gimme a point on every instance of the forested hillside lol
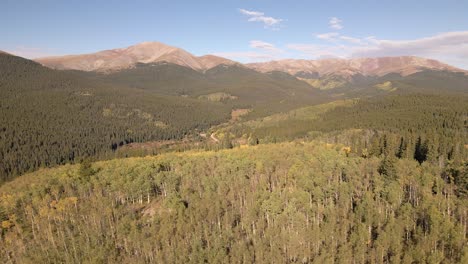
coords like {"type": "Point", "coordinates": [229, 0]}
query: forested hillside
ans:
{"type": "Point", "coordinates": [317, 133]}
{"type": "Point", "coordinates": [50, 117]}
{"type": "Point", "coordinates": [427, 81]}
{"type": "Point", "coordinates": [263, 93]}
{"type": "Point", "coordinates": [421, 126]}
{"type": "Point", "coordinates": [275, 203]}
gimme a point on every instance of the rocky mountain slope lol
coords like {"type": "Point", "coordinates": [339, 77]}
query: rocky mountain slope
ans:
{"type": "Point", "coordinates": [125, 58]}
{"type": "Point", "coordinates": [404, 65]}
{"type": "Point", "coordinates": [154, 52]}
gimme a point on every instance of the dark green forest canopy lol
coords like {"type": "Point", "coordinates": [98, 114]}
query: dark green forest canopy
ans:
{"type": "Point", "coordinates": [265, 93]}
{"type": "Point", "coordinates": [417, 112]}
{"type": "Point", "coordinates": [436, 126]}
{"type": "Point", "coordinates": [273, 203]}
{"type": "Point", "coordinates": [426, 127]}
{"type": "Point", "coordinates": [52, 117]}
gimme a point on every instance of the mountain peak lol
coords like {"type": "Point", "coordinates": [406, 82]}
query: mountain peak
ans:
{"type": "Point", "coordinates": [153, 51]}
{"type": "Point", "coordinates": [124, 58]}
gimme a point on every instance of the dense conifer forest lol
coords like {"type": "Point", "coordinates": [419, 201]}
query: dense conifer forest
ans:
{"type": "Point", "coordinates": [263, 93]}
{"type": "Point", "coordinates": [425, 127]}
{"type": "Point", "coordinates": [52, 117]}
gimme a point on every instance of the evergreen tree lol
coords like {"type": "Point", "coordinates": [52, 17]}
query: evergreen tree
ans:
{"type": "Point", "coordinates": [460, 176]}
{"type": "Point", "coordinates": [387, 167]}
{"type": "Point", "coordinates": [86, 168]}
{"type": "Point", "coordinates": [420, 152]}
{"type": "Point", "coordinates": [401, 153]}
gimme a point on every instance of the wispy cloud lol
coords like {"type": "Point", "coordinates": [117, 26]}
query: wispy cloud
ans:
{"type": "Point", "coordinates": [250, 13]}
{"type": "Point", "coordinates": [335, 36]}
{"type": "Point", "coordinates": [262, 45]}
{"type": "Point", "coordinates": [260, 51]}
{"type": "Point", "coordinates": [449, 47]}
{"type": "Point", "coordinates": [443, 43]}
{"type": "Point", "coordinates": [351, 40]}
{"type": "Point", "coordinates": [255, 16]}
{"type": "Point", "coordinates": [335, 23]}
{"type": "Point", "coordinates": [246, 56]}
{"type": "Point", "coordinates": [328, 36]}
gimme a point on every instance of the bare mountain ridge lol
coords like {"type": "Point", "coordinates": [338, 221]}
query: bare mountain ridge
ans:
{"type": "Point", "coordinates": [124, 58]}
{"type": "Point", "coordinates": [151, 52]}
{"type": "Point", "coordinates": [403, 65]}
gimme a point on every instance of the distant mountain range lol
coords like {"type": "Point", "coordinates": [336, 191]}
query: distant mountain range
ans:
{"type": "Point", "coordinates": [152, 91]}
{"type": "Point", "coordinates": [152, 52]}
{"type": "Point", "coordinates": [404, 65]}
{"type": "Point", "coordinates": [125, 58]}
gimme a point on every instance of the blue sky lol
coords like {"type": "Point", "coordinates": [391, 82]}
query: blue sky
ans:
{"type": "Point", "coordinates": [245, 31]}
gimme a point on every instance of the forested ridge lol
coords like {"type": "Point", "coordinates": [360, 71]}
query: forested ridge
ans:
{"type": "Point", "coordinates": [264, 93]}
{"type": "Point", "coordinates": [52, 117]}
{"type": "Point", "coordinates": [273, 203]}
{"type": "Point", "coordinates": [421, 126]}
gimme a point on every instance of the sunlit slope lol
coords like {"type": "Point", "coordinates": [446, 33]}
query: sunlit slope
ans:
{"type": "Point", "coordinates": [419, 113]}
{"type": "Point", "coordinates": [269, 203]}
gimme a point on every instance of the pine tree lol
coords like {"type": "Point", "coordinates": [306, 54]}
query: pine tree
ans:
{"type": "Point", "coordinates": [420, 152]}
{"type": "Point", "coordinates": [401, 153]}
{"type": "Point", "coordinates": [388, 167]}
{"type": "Point", "coordinates": [86, 169]}
{"type": "Point", "coordinates": [460, 176]}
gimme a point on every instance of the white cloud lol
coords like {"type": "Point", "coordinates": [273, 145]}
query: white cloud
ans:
{"type": "Point", "coordinates": [255, 16]}
{"type": "Point", "coordinates": [258, 44]}
{"type": "Point", "coordinates": [455, 43]}
{"type": "Point", "coordinates": [449, 47]}
{"type": "Point", "coordinates": [260, 51]}
{"type": "Point", "coordinates": [250, 13]}
{"type": "Point", "coordinates": [335, 23]}
{"type": "Point", "coordinates": [247, 56]}
{"type": "Point", "coordinates": [351, 39]}
{"type": "Point", "coordinates": [371, 39]}
{"type": "Point", "coordinates": [335, 37]}
{"type": "Point", "coordinates": [269, 21]}
{"type": "Point", "coordinates": [328, 36]}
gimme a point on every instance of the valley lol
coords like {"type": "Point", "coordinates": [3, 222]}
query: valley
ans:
{"type": "Point", "coordinates": [149, 154]}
